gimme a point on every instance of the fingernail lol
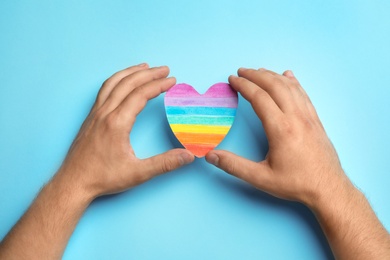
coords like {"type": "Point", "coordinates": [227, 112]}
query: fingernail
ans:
{"type": "Point", "coordinates": [213, 159]}
{"type": "Point", "coordinates": [290, 73]}
{"type": "Point", "coordinates": [142, 65]}
{"type": "Point", "coordinates": [185, 158]}
{"type": "Point", "coordinates": [262, 69]}
{"type": "Point", "coordinates": [243, 69]}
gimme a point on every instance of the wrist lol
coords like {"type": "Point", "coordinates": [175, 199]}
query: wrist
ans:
{"type": "Point", "coordinates": [68, 185]}
{"type": "Point", "coordinates": [331, 192]}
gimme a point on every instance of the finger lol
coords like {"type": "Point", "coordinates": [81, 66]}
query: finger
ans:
{"type": "Point", "coordinates": [297, 92]}
{"type": "Point", "coordinates": [309, 105]}
{"type": "Point", "coordinates": [112, 81]}
{"type": "Point", "coordinates": [131, 82]}
{"type": "Point", "coordinates": [257, 174]}
{"type": "Point", "coordinates": [165, 162]}
{"type": "Point", "coordinates": [268, 71]}
{"type": "Point", "coordinates": [133, 104]}
{"type": "Point", "coordinates": [290, 75]}
{"type": "Point", "coordinates": [264, 106]}
{"type": "Point", "coordinates": [274, 85]}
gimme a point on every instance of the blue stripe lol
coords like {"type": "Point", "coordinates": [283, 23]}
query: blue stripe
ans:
{"type": "Point", "coordinates": [206, 111]}
{"type": "Point", "coordinates": [201, 120]}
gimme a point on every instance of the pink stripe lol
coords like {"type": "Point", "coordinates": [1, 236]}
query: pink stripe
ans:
{"type": "Point", "coordinates": [217, 90]}
{"type": "Point", "coordinates": [220, 90]}
{"type": "Point", "coordinates": [181, 90]}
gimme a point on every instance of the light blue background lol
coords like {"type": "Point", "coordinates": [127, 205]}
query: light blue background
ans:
{"type": "Point", "coordinates": [54, 55]}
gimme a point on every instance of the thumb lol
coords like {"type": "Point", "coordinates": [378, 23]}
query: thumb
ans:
{"type": "Point", "coordinates": [256, 174]}
{"type": "Point", "coordinates": [165, 162]}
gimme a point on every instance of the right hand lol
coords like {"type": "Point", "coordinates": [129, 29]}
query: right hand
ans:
{"type": "Point", "coordinates": [301, 164]}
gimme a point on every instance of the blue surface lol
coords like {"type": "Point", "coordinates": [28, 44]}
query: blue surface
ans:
{"type": "Point", "coordinates": [54, 55]}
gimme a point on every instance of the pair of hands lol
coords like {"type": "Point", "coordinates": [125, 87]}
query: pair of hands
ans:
{"type": "Point", "coordinates": [301, 163]}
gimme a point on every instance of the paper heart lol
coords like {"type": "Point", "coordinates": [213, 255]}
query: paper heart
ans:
{"type": "Point", "coordinates": [200, 122]}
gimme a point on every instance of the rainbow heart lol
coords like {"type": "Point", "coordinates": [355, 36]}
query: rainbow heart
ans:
{"type": "Point", "coordinates": [200, 122]}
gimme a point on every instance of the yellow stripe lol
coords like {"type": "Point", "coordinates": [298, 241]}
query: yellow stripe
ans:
{"type": "Point", "coordinates": [209, 129]}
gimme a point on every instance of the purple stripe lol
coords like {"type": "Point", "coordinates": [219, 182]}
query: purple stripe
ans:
{"type": "Point", "coordinates": [202, 101]}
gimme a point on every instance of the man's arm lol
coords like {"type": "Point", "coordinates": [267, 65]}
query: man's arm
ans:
{"type": "Point", "coordinates": [43, 231]}
{"type": "Point", "coordinates": [302, 165]}
{"type": "Point", "coordinates": [100, 161]}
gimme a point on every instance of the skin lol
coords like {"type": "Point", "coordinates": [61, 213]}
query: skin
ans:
{"type": "Point", "coordinates": [100, 161]}
{"type": "Point", "coordinates": [301, 165]}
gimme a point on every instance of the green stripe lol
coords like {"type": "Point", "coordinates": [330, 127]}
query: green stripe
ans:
{"type": "Point", "coordinates": [201, 120]}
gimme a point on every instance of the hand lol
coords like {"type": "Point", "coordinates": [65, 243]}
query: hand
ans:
{"type": "Point", "coordinates": [301, 164]}
{"type": "Point", "coordinates": [101, 159]}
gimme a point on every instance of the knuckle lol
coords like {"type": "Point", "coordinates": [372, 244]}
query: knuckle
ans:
{"type": "Point", "coordinates": [298, 85]}
{"type": "Point", "coordinates": [138, 92]}
{"type": "Point", "coordinates": [129, 80]}
{"type": "Point", "coordinates": [106, 83]}
{"type": "Point", "coordinates": [295, 88]}
{"type": "Point", "coordinates": [140, 177]}
{"type": "Point", "coordinates": [230, 166]}
{"type": "Point", "coordinates": [158, 73]}
{"type": "Point", "coordinates": [103, 91]}
{"type": "Point", "coordinates": [286, 128]}
{"type": "Point", "coordinates": [116, 75]}
{"type": "Point", "coordinates": [112, 79]}
{"type": "Point", "coordinates": [99, 114]}
{"type": "Point", "coordinates": [252, 74]}
{"type": "Point", "coordinates": [240, 80]}
{"type": "Point", "coordinates": [142, 103]}
{"type": "Point", "coordinates": [294, 130]}
{"type": "Point", "coordinates": [303, 120]}
{"type": "Point", "coordinates": [307, 124]}
{"type": "Point", "coordinates": [112, 121]}
{"type": "Point", "coordinates": [168, 165]}
{"type": "Point", "coordinates": [99, 100]}
{"type": "Point", "coordinates": [259, 94]}
{"type": "Point", "coordinates": [139, 95]}
{"type": "Point", "coordinates": [277, 81]}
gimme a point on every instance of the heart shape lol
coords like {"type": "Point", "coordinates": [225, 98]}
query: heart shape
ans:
{"type": "Point", "coordinates": [200, 122]}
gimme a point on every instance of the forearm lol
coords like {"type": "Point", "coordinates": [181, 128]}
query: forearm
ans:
{"type": "Point", "coordinates": [100, 161]}
{"type": "Point", "coordinates": [350, 224]}
{"type": "Point", "coordinates": [44, 230]}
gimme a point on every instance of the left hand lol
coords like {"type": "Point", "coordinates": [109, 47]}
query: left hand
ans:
{"type": "Point", "coordinates": [101, 159]}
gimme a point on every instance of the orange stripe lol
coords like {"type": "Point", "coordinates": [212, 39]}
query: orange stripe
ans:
{"type": "Point", "coordinates": [199, 150]}
{"type": "Point", "coordinates": [196, 138]}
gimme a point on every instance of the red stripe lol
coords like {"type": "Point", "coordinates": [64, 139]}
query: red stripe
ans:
{"type": "Point", "coordinates": [199, 150]}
